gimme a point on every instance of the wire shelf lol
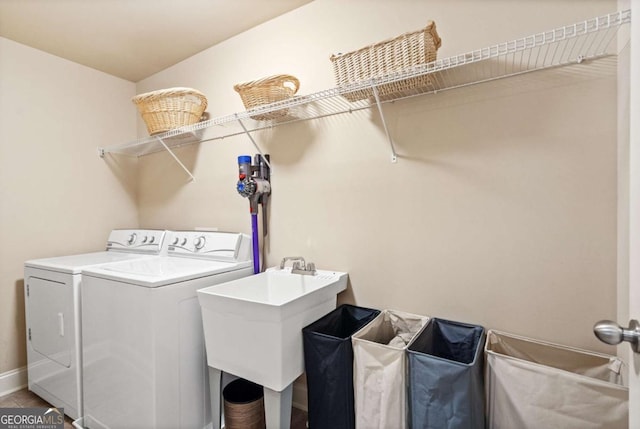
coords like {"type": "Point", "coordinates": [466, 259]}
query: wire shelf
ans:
{"type": "Point", "coordinates": [573, 44]}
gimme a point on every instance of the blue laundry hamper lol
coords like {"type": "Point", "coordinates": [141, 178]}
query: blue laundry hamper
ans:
{"type": "Point", "coordinates": [446, 372]}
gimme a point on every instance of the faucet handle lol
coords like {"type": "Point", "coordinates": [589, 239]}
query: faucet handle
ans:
{"type": "Point", "coordinates": [291, 258]}
{"type": "Point", "coordinates": [311, 267]}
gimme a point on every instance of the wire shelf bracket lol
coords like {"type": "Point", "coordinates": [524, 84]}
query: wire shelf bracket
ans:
{"type": "Point", "coordinates": [255, 145]}
{"type": "Point", "coordinates": [173, 155]}
{"type": "Point", "coordinates": [394, 156]}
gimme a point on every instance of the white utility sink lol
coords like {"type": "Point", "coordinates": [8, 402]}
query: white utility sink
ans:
{"type": "Point", "coordinates": [253, 329]}
{"type": "Point", "coordinates": [253, 325]}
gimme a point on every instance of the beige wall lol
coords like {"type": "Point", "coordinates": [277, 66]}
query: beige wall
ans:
{"type": "Point", "coordinates": [57, 196]}
{"type": "Point", "coordinates": [501, 209]}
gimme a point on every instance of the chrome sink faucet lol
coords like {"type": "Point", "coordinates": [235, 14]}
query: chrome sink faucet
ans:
{"type": "Point", "coordinates": [299, 266]}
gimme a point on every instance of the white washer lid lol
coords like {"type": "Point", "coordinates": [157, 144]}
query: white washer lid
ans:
{"type": "Point", "coordinates": [74, 264]}
{"type": "Point", "coordinates": [162, 271]}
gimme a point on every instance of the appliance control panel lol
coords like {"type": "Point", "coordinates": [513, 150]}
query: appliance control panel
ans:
{"type": "Point", "coordinates": [221, 246]}
{"type": "Point", "coordinates": [137, 240]}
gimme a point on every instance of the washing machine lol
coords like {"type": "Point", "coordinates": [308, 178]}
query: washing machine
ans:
{"type": "Point", "coordinates": [144, 360]}
{"type": "Point", "coordinates": [52, 288]}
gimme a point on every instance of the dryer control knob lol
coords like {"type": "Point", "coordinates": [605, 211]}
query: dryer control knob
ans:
{"type": "Point", "coordinates": [199, 242]}
{"type": "Point", "coordinates": [144, 240]}
{"type": "Point", "coordinates": [152, 240]}
{"type": "Point", "coordinates": [175, 241]}
{"type": "Point", "coordinates": [184, 241]}
{"type": "Point", "coordinates": [132, 238]}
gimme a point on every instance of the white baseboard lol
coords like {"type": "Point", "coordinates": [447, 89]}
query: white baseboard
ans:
{"type": "Point", "coordinates": [13, 380]}
{"type": "Point", "coordinates": [300, 395]}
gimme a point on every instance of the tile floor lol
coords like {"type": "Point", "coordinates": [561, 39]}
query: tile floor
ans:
{"type": "Point", "coordinates": [25, 399]}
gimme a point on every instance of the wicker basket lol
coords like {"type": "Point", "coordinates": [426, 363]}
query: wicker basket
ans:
{"type": "Point", "coordinates": [266, 91]}
{"type": "Point", "coordinates": [166, 109]}
{"type": "Point", "coordinates": [243, 405]}
{"type": "Point", "coordinates": [383, 58]}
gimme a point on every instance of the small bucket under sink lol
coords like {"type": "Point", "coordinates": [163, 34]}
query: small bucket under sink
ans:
{"type": "Point", "coordinates": [243, 405]}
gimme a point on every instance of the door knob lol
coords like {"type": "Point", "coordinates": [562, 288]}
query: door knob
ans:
{"type": "Point", "coordinates": [611, 333]}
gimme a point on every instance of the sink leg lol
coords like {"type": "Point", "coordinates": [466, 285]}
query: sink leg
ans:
{"type": "Point", "coordinates": [215, 381]}
{"type": "Point", "coordinates": [277, 407]}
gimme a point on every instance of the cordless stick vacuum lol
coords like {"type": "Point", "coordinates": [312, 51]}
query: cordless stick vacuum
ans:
{"type": "Point", "coordinates": [254, 183]}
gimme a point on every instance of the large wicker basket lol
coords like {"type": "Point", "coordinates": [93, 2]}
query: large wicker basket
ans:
{"type": "Point", "coordinates": [266, 91]}
{"type": "Point", "coordinates": [383, 58]}
{"type": "Point", "coordinates": [166, 109]}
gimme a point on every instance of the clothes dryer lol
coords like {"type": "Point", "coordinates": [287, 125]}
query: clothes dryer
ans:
{"type": "Point", "coordinates": [52, 289]}
{"type": "Point", "coordinates": [144, 358]}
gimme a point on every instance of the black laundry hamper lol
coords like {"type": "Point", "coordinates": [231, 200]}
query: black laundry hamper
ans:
{"type": "Point", "coordinates": [328, 360]}
{"type": "Point", "coordinates": [446, 372]}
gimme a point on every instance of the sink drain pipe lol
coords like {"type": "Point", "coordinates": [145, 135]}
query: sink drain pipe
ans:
{"type": "Point", "coordinates": [254, 183]}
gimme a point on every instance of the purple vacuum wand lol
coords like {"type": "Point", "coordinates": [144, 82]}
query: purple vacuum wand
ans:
{"type": "Point", "coordinates": [254, 183]}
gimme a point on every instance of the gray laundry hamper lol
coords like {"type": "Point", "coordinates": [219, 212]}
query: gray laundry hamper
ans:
{"type": "Point", "coordinates": [379, 369]}
{"type": "Point", "coordinates": [533, 384]}
{"type": "Point", "coordinates": [446, 371]}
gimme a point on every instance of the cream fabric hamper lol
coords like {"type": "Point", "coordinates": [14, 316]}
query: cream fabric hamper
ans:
{"type": "Point", "coordinates": [534, 384]}
{"type": "Point", "coordinates": [379, 369]}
